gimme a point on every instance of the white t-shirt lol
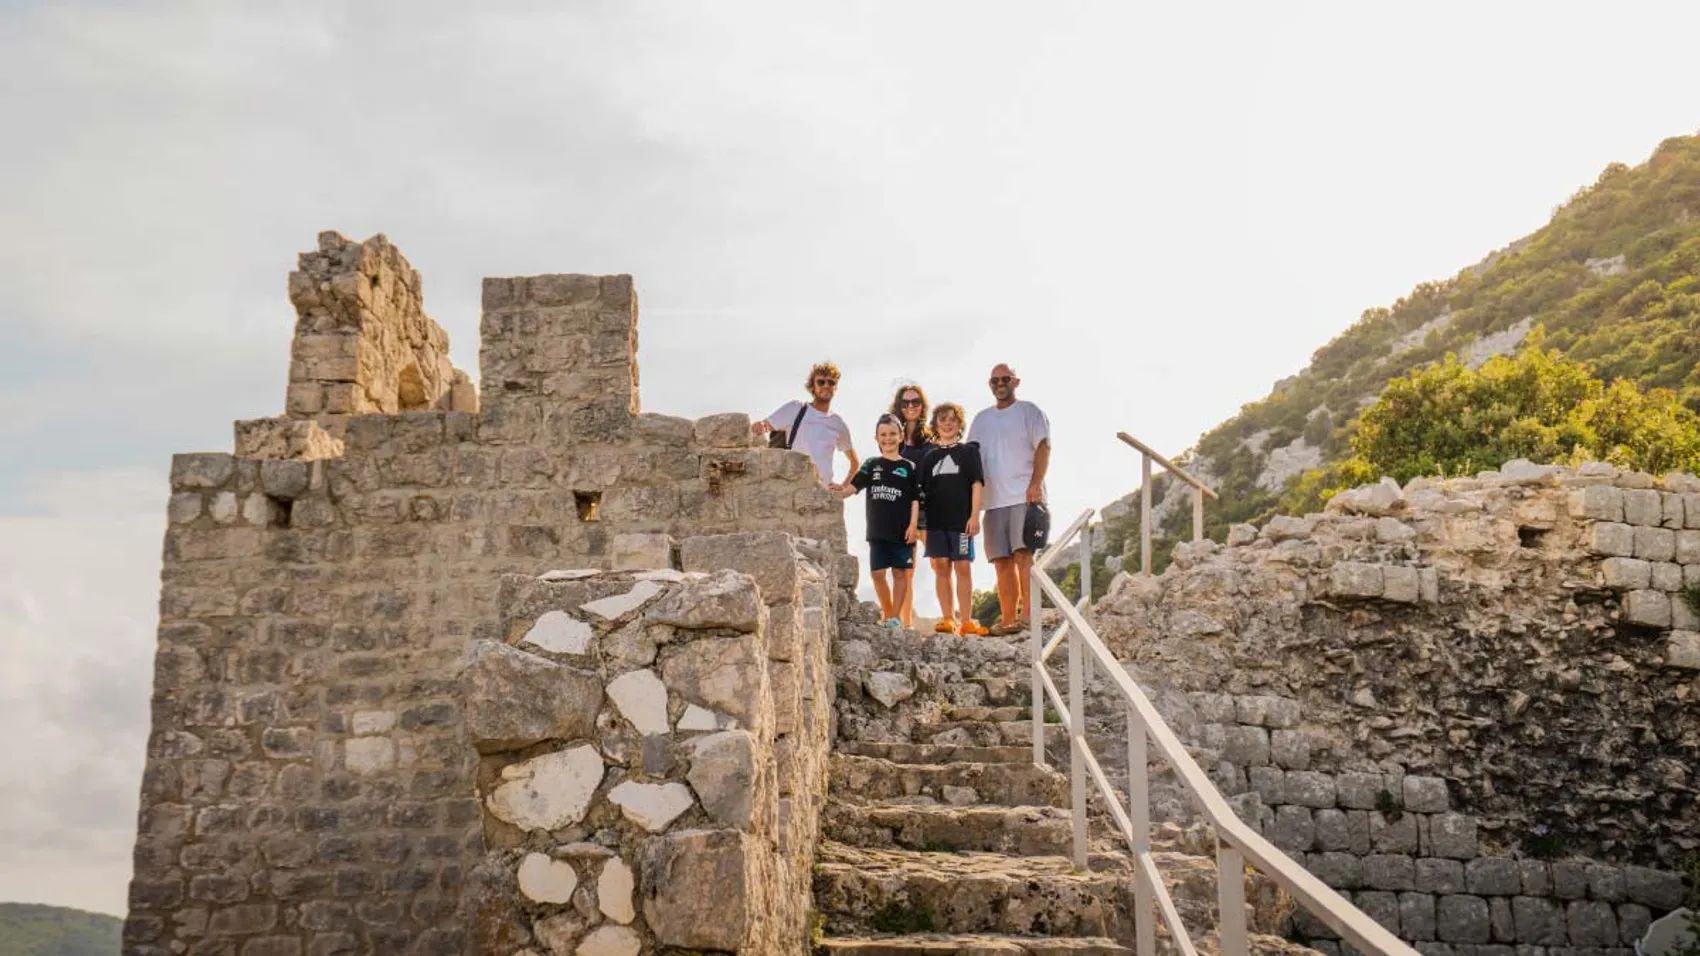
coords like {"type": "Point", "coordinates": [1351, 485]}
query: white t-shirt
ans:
{"type": "Point", "coordinates": [1008, 437]}
{"type": "Point", "coordinates": [821, 434]}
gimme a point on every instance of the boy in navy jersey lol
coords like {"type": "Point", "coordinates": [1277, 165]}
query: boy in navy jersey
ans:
{"type": "Point", "coordinates": [893, 511]}
{"type": "Point", "coordinates": [951, 480]}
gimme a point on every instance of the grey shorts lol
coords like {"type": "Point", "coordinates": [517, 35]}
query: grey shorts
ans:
{"type": "Point", "coordinates": [1004, 529]}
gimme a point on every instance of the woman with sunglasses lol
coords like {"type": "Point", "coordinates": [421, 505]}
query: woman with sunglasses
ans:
{"type": "Point", "coordinates": [910, 407]}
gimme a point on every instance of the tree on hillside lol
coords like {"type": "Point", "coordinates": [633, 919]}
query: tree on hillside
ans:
{"type": "Point", "coordinates": [1448, 419]}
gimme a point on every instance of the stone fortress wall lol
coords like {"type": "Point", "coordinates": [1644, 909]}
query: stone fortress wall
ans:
{"type": "Point", "coordinates": [1469, 703]}
{"type": "Point", "coordinates": [311, 785]}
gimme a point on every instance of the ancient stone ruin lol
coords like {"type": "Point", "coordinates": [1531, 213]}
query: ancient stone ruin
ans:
{"type": "Point", "coordinates": [527, 671]}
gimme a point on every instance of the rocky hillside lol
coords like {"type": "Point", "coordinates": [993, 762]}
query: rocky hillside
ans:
{"type": "Point", "coordinates": [1614, 279]}
{"type": "Point", "coordinates": [30, 929]}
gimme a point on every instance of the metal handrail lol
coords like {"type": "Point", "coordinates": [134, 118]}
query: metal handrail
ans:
{"type": "Point", "coordinates": [1199, 490]}
{"type": "Point", "coordinates": [1236, 843]}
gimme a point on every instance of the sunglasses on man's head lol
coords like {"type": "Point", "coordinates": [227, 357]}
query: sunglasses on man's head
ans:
{"type": "Point", "coordinates": [910, 402]}
{"type": "Point", "coordinates": [1001, 379]}
{"type": "Point", "coordinates": [826, 381]}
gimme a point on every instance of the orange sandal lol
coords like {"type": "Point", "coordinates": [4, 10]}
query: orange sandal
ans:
{"type": "Point", "coordinates": [971, 628]}
{"type": "Point", "coordinates": [944, 626]}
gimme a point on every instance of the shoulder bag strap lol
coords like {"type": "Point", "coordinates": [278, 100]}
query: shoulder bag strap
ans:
{"type": "Point", "coordinates": [791, 436]}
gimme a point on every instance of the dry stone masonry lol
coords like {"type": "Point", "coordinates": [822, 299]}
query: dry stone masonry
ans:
{"type": "Point", "coordinates": [332, 593]}
{"type": "Point", "coordinates": [1471, 704]}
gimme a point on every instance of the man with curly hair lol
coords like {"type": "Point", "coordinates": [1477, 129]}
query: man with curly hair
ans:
{"type": "Point", "coordinates": [813, 427]}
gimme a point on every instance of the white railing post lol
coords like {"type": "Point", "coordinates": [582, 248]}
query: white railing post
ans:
{"type": "Point", "coordinates": [1230, 898]}
{"type": "Point", "coordinates": [1139, 811]}
{"type": "Point", "coordinates": [1077, 744]}
{"type": "Point", "coordinates": [1086, 582]}
{"type": "Point", "coordinates": [1144, 514]}
{"type": "Point", "coordinates": [1197, 515]}
{"type": "Point", "coordinates": [1036, 641]}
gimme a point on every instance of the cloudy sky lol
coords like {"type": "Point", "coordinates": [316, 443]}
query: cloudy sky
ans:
{"type": "Point", "coordinates": [1154, 211]}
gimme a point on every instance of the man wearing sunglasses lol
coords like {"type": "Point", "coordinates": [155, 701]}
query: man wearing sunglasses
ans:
{"type": "Point", "coordinates": [1015, 450]}
{"type": "Point", "coordinates": [813, 427]}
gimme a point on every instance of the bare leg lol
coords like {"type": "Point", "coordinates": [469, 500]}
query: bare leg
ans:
{"type": "Point", "coordinates": [908, 601]}
{"type": "Point", "coordinates": [941, 583]}
{"type": "Point", "coordinates": [882, 590]}
{"type": "Point", "coordinates": [1008, 591]}
{"type": "Point", "coordinates": [1024, 581]}
{"type": "Point", "coordinates": [900, 586]}
{"type": "Point", "coordinates": [964, 586]}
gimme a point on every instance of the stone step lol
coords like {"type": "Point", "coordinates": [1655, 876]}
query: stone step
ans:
{"type": "Point", "coordinates": [971, 944]}
{"type": "Point", "coordinates": [860, 889]}
{"type": "Point", "coordinates": [936, 753]}
{"type": "Point", "coordinates": [995, 714]}
{"type": "Point", "coordinates": [1010, 784]}
{"type": "Point", "coordinates": [985, 733]}
{"type": "Point", "coordinates": [1019, 831]}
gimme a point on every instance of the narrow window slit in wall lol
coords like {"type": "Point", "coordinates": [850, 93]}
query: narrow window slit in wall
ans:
{"type": "Point", "coordinates": [588, 502]}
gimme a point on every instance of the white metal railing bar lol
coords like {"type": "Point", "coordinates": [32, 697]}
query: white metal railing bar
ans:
{"type": "Point", "coordinates": [1199, 490]}
{"type": "Point", "coordinates": [1237, 843]}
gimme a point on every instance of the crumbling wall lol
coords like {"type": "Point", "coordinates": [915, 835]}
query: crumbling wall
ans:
{"type": "Point", "coordinates": [1469, 702]}
{"type": "Point", "coordinates": [310, 785]}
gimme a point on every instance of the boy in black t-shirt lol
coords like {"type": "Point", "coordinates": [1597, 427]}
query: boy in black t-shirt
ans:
{"type": "Point", "coordinates": [951, 480]}
{"type": "Point", "coordinates": [893, 511]}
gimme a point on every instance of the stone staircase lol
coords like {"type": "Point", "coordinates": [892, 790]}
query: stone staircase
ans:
{"type": "Point", "coordinates": [941, 836]}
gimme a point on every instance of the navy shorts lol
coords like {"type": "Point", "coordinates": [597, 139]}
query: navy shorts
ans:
{"type": "Point", "coordinates": [890, 554]}
{"type": "Point", "coordinates": [955, 545]}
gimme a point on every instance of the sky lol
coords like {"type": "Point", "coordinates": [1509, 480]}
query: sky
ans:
{"type": "Point", "coordinates": [1152, 211]}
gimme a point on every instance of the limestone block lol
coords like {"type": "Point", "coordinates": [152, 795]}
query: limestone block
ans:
{"type": "Point", "coordinates": [1493, 876]}
{"type": "Point", "coordinates": [1264, 711]}
{"type": "Point", "coordinates": [1655, 544]}
{"type": "Point", "coordinates": [1453, 836]}
{"type": "Point", "coordinates": [1393, 531]}
{"type": "Point", "coordinates": [547, 880]}
{"type": "Point", "coordinates": [1290, 749]}
{"type": "Point", "coordinates": [614, 891]}
{"type": "Point", "coordinates": [1691, 509]}
{"type": "Point", "coordinates": [1439, 876]}
{"type": "Point", "coordinates": [1246, 746]}
{"type": "Point", "coordinates": [1294, 830]}
{"type": "Point", "coordinates": [1537, 879]}
{"type": "Point", "coordinates": [616, 606]}
{"type": "Point", "coordinates": [1428, 585]}
{"type": "Point", "coordinates": [1268, 782]}
{"type": "Point", "coordinates": [185, 507]}
{"type": "Point", "coordinates": [1394, 836]}
{"type": "Point", "coordinates": [610, 940]}
{"type": "Point", "coordinates": [1633, 922]}
{"type": "Point", "coordinates": [723, 774]}
{"type": "Point", "coordinates": [1425, 794]}
{"type": "Point", "coordinates": [560, 632]}
{"type": "Point", "coordinates": [1592, 923]}
{"type": "Point", "coordinates": [642, 552]}
{"type": "Point", "coordinates": [1215, 708]}
{"type": "Point", "coordinates": [727, 675]}
{"type": "Point", "coordinates": [784, 632]}
{"type": "Point", "coordinates": [1358, 791]}
{"type": "Point", "coordinates": [701, 718]}
{"type": "Point", "coordinates": [224, 508]}
{"type": "Point", "coordinates": [1605, 882]}
{"type": "Point", "coordinates": [1672, 508]}
{"type": "Point", "coordinates": [1688, 545]}
{"type": "Point", "coordinates": [1343, 871]}
{"type": "Point", "coordinates": [723, 599]}
{"type": "Point", "coordinates": [369, 755]}
{"type": "Point", "coordinates": [284, 479]}
{"type": "Point", "coordinates": [1610, 538]}
{"type": "Point", "coordinates": [1627, 574]}
{"type": "Point", "coordinates": [1522, 471]}
{"type": "Point", "coordinates": [1401, 583]}
{"type": "Point", "coordinates": [784, 682]}
{"type": "Point", "coordinates": [201, 471]}
{"type": "Point", "coordinates": [1654, 888]}
{"type": "Point", "coordinates": [1331, 830]}
{"type": "Point", "coordinates": [631, 646]}
{"type": "Point", "coordinates": [550, 791]}
{"type": "Point", "coordinates": [642, 699]}
{"type": "Point", "coordinates": [1569, 879]}
{"type": "Point", "coordinates": [1643, 506]}
{"type": "Point", "coordinates": [889, 687]}
{"type": "Point", "coordinates": [697, 891]}
{"type": "Point", "coordinates": [1355, 579]}
{"type": "Point", "coordinates": [1383, 871]}
{"type": "Point", "coordinates": [1374, 500]}
{"type": "Point", "coordinates": [1462, 919]}
{"type": "Point", "coordinates": [1287, 528]}
{"type": "Point", "coordinates": [726, 430]}
{"type": "Point", "coordinates": [1647, 607]}
{"type": "Point", "coordinates": [1539, 921]}
{"type": "Point", "coordinates": [1308, 788]}
{"type": "Point", "coordinates": [1381, 906]}
{"type": "Point", "coordinates": [1416, 917]}
{"type": "Point", "coordinates": [652, 806]}
{"type": "Point", "coordinates": [1240, 535]}
{"type": "Point", "coordinates": [1598, 502]}
{"type": "Point", "coordinates": [515, 699]}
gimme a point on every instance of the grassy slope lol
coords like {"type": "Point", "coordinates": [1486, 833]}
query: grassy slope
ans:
{"type": "Point", "coordinates": [1642, 323]}
{"type": "Point", "coordinates": [30, 929]}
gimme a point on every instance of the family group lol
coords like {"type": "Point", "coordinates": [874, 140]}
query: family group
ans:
{"type": "Point", "coordinates": [935, 486]}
